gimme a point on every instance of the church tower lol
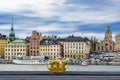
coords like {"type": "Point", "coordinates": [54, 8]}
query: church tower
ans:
{"type": "Point", "coordinates": [108, 33]}
{"type": "Point", "coordinates": [107, 45]}
{"type": "Point", "coordinates": [12, 33]}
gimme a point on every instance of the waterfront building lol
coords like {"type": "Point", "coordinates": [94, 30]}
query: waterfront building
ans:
{"type": "Point", "coordinates": [117, 43]}
{"type": "Point", "coordinates": [12, 33]}
{"type": "Point", "coordinates": [50, 47]}
{"type": "Point", "coordinates": [34, 42]}
{"type": "Point", "coordinates": [3, 42]}
{"type": "Point", "coordinates": [76, 47]}
{"type": "Point", "coordinates": [107, 45]}
{"type": "Point", "coordinates": [16, 48]}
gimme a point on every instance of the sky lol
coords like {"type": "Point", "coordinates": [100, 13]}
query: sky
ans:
{"type": "Point", "coordinates": [60, 17]}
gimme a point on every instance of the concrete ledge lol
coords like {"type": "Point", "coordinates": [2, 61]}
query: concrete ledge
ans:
{"type": "Point", "coordinates": [83, 73]}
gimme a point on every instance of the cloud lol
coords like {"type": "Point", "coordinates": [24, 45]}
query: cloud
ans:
{"type": "Point", "coordinates": [59, 16]}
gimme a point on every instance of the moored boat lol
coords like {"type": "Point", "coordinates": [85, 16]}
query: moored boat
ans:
{"type": "Point", "coordinates": [31, 60]}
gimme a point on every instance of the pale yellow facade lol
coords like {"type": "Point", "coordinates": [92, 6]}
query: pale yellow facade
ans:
{"type": "Point", "coordinates": [52, 51]}
{"type": "Point", "coordinates": [17, 48]}
{"type": "Point", "coordinates": [117, 42]}
{"type": "Point", "coordinates": [79, 50]}
{"type": "Point", "coordinates": [3, 42]}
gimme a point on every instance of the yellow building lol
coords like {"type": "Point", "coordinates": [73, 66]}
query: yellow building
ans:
{"type": "Point", "coordinates": [50, 48]}
{"type": "Point", "coordinates": [3, 42]}
{"type": "Point", "coordinates": [117, 43]}
{"type": "Point", "coordinates": [76, 47]}
{"type": "Point", "coordinates": [15, 49]}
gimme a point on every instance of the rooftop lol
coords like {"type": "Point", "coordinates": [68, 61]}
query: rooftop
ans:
{"type": "Point", "coordinates": [76, 39]}
{"type": "Point", "coordinates": [3, 37]}
{"type": "Point", "coordinates": [17, 42]}
{"type": "Point", "coordinates": [48, 42]}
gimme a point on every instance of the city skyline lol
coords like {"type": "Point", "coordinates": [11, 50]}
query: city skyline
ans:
{"type": "Point", "coordinates": [60, 17]}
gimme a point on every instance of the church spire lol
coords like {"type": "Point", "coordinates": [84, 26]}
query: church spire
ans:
{"type": "Point", "coordinates": [108, 29]}
{"type": "Point", "coordinates": [108, 33]}
{"type": "Point", "coordinates": [12, 33]}
{"type": "Point", "coordinates": [12, 24]}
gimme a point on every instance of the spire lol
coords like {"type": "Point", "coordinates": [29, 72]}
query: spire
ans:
{"type": "Point", "coordinates": [108, 33]}
{"type": "Point", "coordinates": [12, 23]}
{"type": "Point", "coordinates": [12, 33]}
{"type": "Point", "coordinates": [108, 29]}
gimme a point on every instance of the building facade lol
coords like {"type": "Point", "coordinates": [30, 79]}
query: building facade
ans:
{"type": "Point", "coordinates": [3, 42]}
{"type": "Point", "coordinates": [34, 42]}
{"type": "Point", "coordinates": [51, 48]}
{"type": "Point", "coordinates": [76, 47]}
{"type": "Point", "coordinates": [117, 43]}
{"type": "Point", "coordinates": [15, 49]}
{"type": "Point", "coordinates": [107, 45]}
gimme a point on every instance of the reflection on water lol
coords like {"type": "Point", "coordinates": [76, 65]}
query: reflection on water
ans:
{"type": "Point", "coordinates": [13, 67]}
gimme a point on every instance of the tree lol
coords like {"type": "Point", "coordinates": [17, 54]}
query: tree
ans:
{"type": "Point", "coordinates": [94, 42]}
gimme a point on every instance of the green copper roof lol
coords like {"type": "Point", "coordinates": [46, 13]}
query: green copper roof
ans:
{"type": "Point", "coordinates": [108, 29]}
{"type": "Point", "coordinates": [17, 42]}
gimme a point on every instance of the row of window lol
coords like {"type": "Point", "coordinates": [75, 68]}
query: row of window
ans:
{"type": "Point", "coordinates": [50, 46]}
{"type": "Point", "coordinates": [104, 48]}
{"type": "Point", "coordinates": [49, 53]}
{"type": "Point", "coordinates": [74, 56]}
{"type": "Point", "coordinates": [73, 52]}
{"type": "Point", "coordinates": [73, 44]}
{"type": "Point", "coordinates": [34, 48]}
{"type": "Point", "coordinates": [74, 47]}
{"type": "Point", "coordinates": [49, 49]}
{"type": "Point", "coordinates": [32, 51]}
{"type": "Point", "coordinates": [15, 49]}
{"type": "Point", "coordinates": [8, 57]}
{"type": "Point", "coordinates": [15, 53]}
{"type": "Point", "coordinates": [14, 46]}
{"type": "Point", "coordinates": [3, 40]}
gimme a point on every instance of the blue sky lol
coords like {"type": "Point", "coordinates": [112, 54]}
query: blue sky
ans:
{"type": "Point", "coordinates": [60, 17]}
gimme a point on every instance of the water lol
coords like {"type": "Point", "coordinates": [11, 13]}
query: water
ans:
{"type": "Point", "coordinates": [13, 67]}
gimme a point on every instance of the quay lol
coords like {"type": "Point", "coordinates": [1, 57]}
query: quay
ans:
{"type": "Point", "coordinates": [67, 73]}
{"type": "Point", "coordinates": [77, 73]}
{"type": "Point", "coordinates": [14, 67]}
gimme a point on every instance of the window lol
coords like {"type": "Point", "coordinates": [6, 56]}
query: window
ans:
{"type": "Point", "coordinates": [110, 47]}
{"type": "Point", "coordinates": [102, 47]}
{"type": "Point", "coordinates": [98, 48]}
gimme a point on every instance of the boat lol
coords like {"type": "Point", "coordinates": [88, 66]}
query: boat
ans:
{"type": "Point", "coordinates": [84, 63]}
{"type": "Point", "coordinates": [31, 60]}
